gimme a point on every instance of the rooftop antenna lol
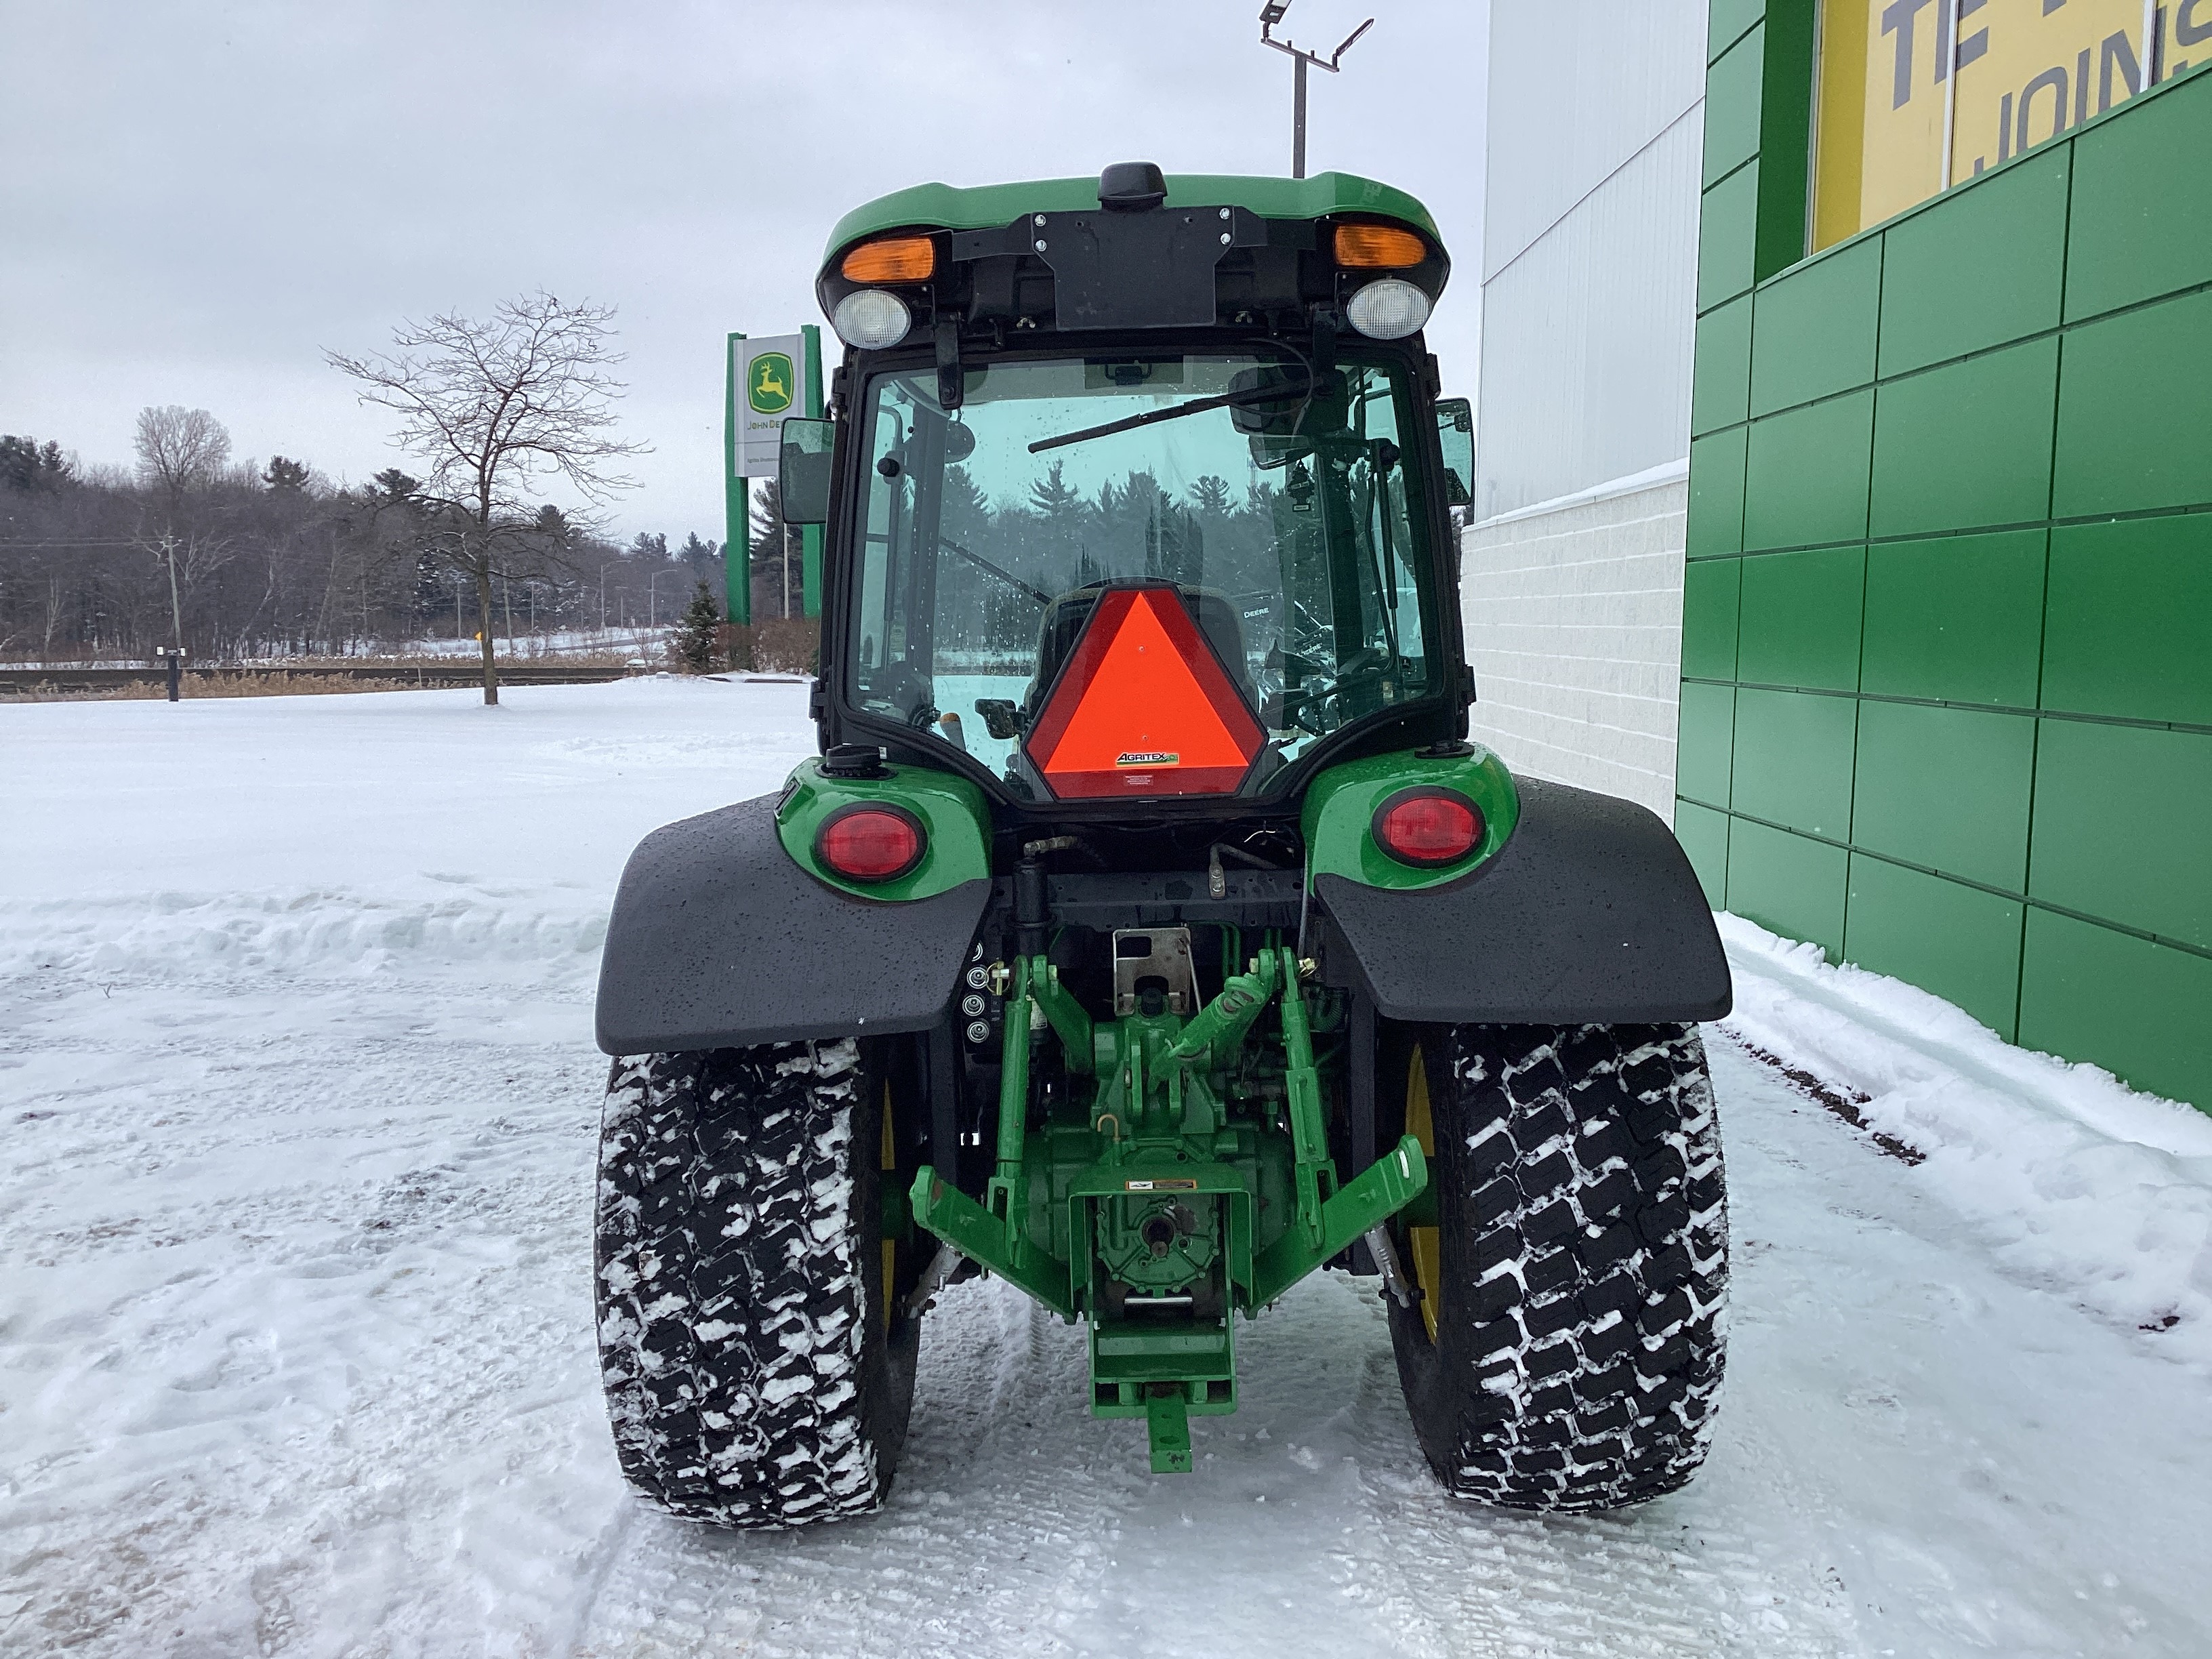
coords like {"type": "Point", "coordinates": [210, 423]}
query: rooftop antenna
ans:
{"type": "Point", "coordinates": [1272, 14]}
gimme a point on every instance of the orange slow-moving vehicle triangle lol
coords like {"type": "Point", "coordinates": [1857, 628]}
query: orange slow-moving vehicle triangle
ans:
{"type": "Point", "coordinates": [1143, 707]}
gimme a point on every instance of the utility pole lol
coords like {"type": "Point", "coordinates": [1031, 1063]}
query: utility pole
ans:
{"type": "Point", "coordinates": [1271, 14]}
{"type": "Point", "coordinates": [175, 654]}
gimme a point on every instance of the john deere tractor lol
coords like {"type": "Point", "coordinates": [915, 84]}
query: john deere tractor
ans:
{"type": "Point", "coordinates": [1147, 933]}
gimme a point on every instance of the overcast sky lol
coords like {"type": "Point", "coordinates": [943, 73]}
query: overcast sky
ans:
{"type": "Point", "coordinates": [198, 198]}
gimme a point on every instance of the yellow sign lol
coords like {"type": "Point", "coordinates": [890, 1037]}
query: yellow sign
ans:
{"type": "Point", "coordinates": [2026, 70]}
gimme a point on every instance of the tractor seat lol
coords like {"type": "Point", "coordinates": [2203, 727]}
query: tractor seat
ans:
{"type": "Point", "coordinates": [1064, 620]}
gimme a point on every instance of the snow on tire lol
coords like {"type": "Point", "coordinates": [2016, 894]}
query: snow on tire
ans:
{"type": "Point", "coordinates": [1579, 1265]}
{"type": "Point", "coordinates": [750, 1376]}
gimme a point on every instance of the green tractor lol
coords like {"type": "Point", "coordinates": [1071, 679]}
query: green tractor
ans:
{"type": "Point", "coordinates": [1147, 933]}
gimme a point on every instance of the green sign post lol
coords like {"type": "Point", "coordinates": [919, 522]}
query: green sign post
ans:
{"type": "Point", "coordinates": [810, 538]}
{"type": "Point", "coordinates": [737, 506]}
{"type": "Point", "coordinates": [766, 381]}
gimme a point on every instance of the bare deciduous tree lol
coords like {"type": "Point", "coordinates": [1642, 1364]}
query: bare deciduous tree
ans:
{"type": "Point", "coordinates": [494, 407]}
{"type": "Point", "coordinates": [181, 449]}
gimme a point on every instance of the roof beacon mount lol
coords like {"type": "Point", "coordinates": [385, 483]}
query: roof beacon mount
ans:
{"type": "Point", "coordinates": [1132, 187]}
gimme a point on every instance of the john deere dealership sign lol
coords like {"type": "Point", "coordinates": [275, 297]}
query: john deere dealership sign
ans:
{"type": "Point", "coordinates": [768, 379]}
{"type": "Point", "coordinates": [1897, 122]}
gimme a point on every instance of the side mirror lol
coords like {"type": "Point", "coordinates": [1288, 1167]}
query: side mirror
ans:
{"type": "Point", "coordinates": [802, 472]}
{"type": "Point", "coordinates": [1456, 434]}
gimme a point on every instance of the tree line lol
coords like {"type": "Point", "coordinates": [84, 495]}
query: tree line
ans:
{"type": "Point", "coordinates": [275, 561]}
{"type": "Point", "coordinates": [235, 561]}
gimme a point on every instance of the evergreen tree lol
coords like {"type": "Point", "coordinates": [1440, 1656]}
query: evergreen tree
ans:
{"type": "Point", "coordinates": [698, 633]}
{"type": "Point", "coordinates": [27, 464]}
{"type": "Point", "coordinates": [285, 475]}
{"type": "Point", "coordinates": [1210, 494]}
{"type": "Point", "coordinates": [1056, 500]}
{"type": "Point", "coordinates": [703, 556]}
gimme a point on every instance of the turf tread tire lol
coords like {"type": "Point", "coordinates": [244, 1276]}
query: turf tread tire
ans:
{"type": "Point", "coordinates": [751, 1379]}
{"type": "Point", "coordinates": [1579, 1346]}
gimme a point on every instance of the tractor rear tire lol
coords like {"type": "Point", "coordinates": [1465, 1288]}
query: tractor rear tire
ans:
{"type": "Point", "coordinates": [1566, 1352]}
{"type": "Point", "coordinates": [753, 1376]}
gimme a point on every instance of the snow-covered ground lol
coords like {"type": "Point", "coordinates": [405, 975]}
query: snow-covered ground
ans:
{"type": "Point", "coordinates": [297, 1102]}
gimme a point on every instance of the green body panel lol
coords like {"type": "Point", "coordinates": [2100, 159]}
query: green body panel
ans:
{"type": "Point", "coordinates": [952, 809]}
{"type": "Point", "coordinates": [1340, 803]}
{"type": "Point", "coordinates": [1948, 604]}
{"type": "Point", "coordinates": [947, 207]}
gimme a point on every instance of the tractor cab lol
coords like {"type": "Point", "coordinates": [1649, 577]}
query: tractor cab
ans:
{"type": "Point", "coordinates": [1137, 492]}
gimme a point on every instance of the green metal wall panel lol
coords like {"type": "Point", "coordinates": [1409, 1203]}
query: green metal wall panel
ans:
{"type": "Point", "coordinates": [2142, 201]}
{"type": "Point", "coordinates": [2123, 822]}
{"type": "Point", "coordinates": [1957, 941]}
{"type": "Point", "coordinates": [1785, 129]}
{"type": "Point", "coordinates": [1728, 22]}
{"type": "Point", "coordinates": [1967, 444]}
{"type": "Point", "coordinates": [2139, 1009]}
{"type": "Point", "coordinates": [1805, 474]}
{"type": "Point", "coordinates": [1715, 509]}
{"type": "Point", "coordinates": [1720, 379]}
{"type": "Point", "coordinates": [1732, 85]}
{"type": "Point", "coordinates": [1955, 619]}
{"type": "Point", "coordinates": [1945, 787]}
{"type": "Point", "coordinates": [1704, 742]}
{"type": "Point", "coordinates": [2134, 405]}
{"type": "Point", "coordinates": [2130, 628]}
{"type": "Point", "coordinates": [1800, 619]}
{"type": "Point", "coordinates": [1787, 884]}
{"type": "Point", "coordinates": [1711, 591]}
{"type": "Point", "coordinates": [1985, 269]}
{"type": "Point", "coordinates": [1793, 760]}
{"type": "Point", "coordinates": [1952, 472]}
{"type": "Point", "coordinates": [1728, 233]}
{"type": "Point", "coordinates": [1816, 327]}
{"type": "Point", "coordinates": [1703, 834]}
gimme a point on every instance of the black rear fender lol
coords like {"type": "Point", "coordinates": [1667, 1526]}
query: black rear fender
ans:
{"type": "Point", "coordinates": [718, 939]}
{"type": "Point", "coordinates": [1591, 913]}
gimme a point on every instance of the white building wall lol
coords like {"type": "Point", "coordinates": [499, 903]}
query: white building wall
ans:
{"type": "Point", "coordinates": [1587, 333]}
{"type": "Point", "coordinates": [1574, 625]}
{"type": "Point", "coordinates": [1571, 575]}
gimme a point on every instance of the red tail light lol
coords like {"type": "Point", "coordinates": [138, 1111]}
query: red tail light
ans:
{"type": "Point", "coordinates": [1428, 827]}
{"type": "Point", "coordinates": [870, 844]}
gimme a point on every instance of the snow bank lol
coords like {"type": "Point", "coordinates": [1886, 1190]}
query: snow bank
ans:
{"type": "Point", "coordinates": [2072, 1176]}
{"type": "Point", "coordinates": [326, 836]}
{"type": "Point", "coordinates": [172, 934]}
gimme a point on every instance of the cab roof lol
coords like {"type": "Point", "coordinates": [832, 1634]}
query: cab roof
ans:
{"type": "Point", "coordinates": [947, 207]}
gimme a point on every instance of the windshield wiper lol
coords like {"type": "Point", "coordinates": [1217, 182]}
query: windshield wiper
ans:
{"type": "Point", "coordinates": [986, 566]}
{"type": "Point", "coordinates": [1272, 394]}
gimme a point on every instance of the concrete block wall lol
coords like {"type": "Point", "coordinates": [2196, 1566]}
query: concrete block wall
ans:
{"type": "Point", "coordinates": [1573, 614]}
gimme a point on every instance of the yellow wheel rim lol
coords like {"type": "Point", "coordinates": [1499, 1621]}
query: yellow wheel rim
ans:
{"type": "Point", "coordinates": [1424, 1244]}
{"type": "Point", "coordinates": [890, 1161]}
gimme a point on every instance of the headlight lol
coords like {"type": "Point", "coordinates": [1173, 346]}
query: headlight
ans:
{"type": "Point", "coordinates": [1386, 310]}
{"type": "Point", "coordinates": [870, 320]}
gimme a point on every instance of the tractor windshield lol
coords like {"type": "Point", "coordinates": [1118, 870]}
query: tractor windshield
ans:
{"type": "Point", "coordinates": [1275, 501]}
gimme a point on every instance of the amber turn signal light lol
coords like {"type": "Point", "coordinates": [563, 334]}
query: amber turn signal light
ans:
{"type": "Point", "coordinates": [1378, 247]}
{"type": "Point", "coordinates": [891, 259]}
